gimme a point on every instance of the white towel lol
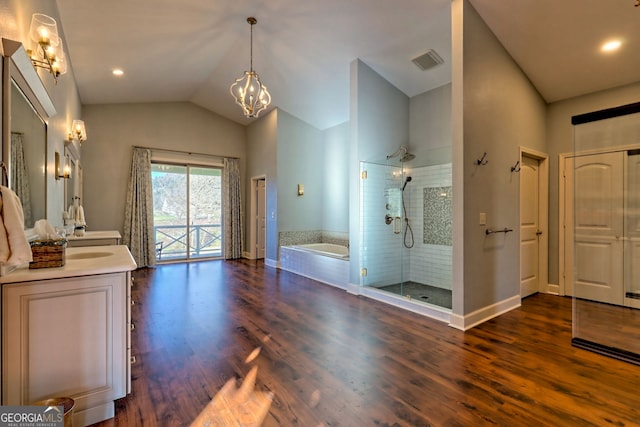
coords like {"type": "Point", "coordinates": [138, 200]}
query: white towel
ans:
{"type": "Point", "coordinates": [14, 247]}
{"type": "Point", "coordinates": [71, 213]}
{"type": "Point", "coordinates": [80, 216]}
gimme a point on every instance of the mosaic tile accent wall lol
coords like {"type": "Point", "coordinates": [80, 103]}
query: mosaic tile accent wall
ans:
{"type": "Point", "coordinates": [437, 216]}
{"type": "Point", "coordinates": [289, 238]}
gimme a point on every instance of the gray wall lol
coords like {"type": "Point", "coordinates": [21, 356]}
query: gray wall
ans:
{"type": "Point", "coordinates": [379, 125]}
{"type": "Point", "coordinates": [114, 129]}
{"type": "Point", "coordinates": [560, 138]}
{"type": "Point", "coordinates": [430, 126]}
{"type": "Point", "coordinates": [262, 144]}
{"type": "Point", "coordinates": [300, 155]}
{"type": "Point", "coordinates": [15, 16]}
{"type": "Point", "coordinates": [335, 164]}
{"type": "Point", "coordinates": [502, 111]}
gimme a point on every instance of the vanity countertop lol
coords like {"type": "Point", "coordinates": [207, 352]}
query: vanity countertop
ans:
{"type": "Point", "coordinates": [109, 234]}
{"type": "Point", "coordinates": [83, 261]}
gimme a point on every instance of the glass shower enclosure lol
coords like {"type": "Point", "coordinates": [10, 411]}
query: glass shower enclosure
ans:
{"type": "Point", "coordinates": [406, 231]}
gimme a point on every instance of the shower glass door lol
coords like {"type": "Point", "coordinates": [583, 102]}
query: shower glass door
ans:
{"type": "Point", "coordinates": [382, 222]}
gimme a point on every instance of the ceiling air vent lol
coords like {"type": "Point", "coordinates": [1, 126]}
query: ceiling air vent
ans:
{"type": "Point", "coordinates": [428, 60]}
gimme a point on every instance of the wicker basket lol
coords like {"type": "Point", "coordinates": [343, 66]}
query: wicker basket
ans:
{"type": "Point", "coordinates": [48, 253]}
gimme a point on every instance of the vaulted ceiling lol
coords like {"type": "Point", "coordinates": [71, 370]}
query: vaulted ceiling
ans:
{"type": "Point", "coordinates": [192, 50]}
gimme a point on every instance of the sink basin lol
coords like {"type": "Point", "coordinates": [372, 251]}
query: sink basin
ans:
{"type": "Point", "coordinates": [89, 255]}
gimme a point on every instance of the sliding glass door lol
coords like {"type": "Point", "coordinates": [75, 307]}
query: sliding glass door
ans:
{"type": "Point", "coordinates": [187, 211]}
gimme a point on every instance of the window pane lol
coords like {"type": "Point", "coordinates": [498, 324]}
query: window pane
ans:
{"type": "Point", "coordinates": [205, 210]}
{"type": "Point", "coordinates": [170, 210]}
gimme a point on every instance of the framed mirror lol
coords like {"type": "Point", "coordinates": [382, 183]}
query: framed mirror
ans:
{"type": "Point", "coordinates": [26, 107]}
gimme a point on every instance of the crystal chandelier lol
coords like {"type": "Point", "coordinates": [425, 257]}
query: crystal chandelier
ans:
{"type": "Point", "coordinates": [250, 94]}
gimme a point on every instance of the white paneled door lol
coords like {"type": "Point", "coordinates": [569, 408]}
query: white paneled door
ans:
{"type": "Point", "coordinates": [529, 226]}
{"type": "Point", "coordinates": [595, 219]}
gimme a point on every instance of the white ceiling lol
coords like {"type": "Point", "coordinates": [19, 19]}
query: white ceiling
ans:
{"type": "Point", "coordinates": [192, 50]}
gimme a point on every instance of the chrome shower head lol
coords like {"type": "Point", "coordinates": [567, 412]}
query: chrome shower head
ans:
{"type": "Point", "coordinates": [404, 154]}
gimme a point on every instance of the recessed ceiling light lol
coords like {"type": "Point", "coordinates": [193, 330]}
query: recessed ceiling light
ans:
{"type": "Point", "coordinates": [611, 46]}
{"type": "Point", "coordinates": [117, 72]}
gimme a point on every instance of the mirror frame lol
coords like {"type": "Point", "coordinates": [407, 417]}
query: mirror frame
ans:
{"type": "Point", "coordinates": [17, 66]}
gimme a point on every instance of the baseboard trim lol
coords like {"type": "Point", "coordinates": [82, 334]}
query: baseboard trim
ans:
{"type": "Point", "coordinates": [271, 263]}
{"type": "Point", "coordinates": [468, 321]}
{"type": "Point", "coordinates": [553, 289]}
{"type": "Point", "coordinates": [353, 288]}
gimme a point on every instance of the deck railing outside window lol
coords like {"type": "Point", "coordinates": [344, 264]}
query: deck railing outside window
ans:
{"type": "Point", "coordinates": [205, 241]}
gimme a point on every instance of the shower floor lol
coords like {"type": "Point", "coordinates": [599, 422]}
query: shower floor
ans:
{"type": "Point", "coordinates": [420, 292]}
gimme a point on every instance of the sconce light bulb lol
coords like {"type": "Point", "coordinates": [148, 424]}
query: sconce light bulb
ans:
{"type": "Point", "coordinates": [44, 35]}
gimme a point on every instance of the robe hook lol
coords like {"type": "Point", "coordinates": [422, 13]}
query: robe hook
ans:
{"type": "Point", "coordinates": [482, 161]}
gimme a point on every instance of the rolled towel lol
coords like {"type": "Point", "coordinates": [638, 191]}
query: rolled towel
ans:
{"type": "Point", "coordinates": [80, 216]}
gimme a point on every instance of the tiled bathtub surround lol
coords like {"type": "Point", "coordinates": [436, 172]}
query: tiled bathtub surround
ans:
{"type": "Point", "coordinates": [290, 238]}
{"type": "Point", "coordinates": [333, 271]}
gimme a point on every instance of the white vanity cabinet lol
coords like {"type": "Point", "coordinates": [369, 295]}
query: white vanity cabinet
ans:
{"type": "Point", "coordinates": [68, 337]}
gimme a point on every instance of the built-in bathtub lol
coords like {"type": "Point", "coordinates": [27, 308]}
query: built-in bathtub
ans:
{"type": "Point", "coordinates": [324, 262]}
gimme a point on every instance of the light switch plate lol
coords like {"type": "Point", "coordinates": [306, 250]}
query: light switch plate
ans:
{"type": "Point", "coordinates": [483, 218]}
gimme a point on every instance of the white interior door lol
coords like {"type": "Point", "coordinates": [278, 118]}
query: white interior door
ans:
{"type": "Point", "coordinates": [261, 215]}
{"type": "Point", "coordinates": [529, 226]}
{"type": "Point", "coordinates": [596, 205]}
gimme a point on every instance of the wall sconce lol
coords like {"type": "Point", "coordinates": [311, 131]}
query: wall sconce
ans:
{"type": "Point", "coordinates": [78, 132]}
{"type": "Point", "coordinates": [47, 51]}
{"type": "Point", "coordinates": [62, 170]}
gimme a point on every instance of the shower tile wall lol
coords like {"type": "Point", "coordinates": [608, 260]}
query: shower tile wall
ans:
{"type": "Point", "coordinates": [429, 264]}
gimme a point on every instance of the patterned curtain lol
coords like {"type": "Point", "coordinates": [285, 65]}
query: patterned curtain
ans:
{"type": "Point", "coordinates": [233, 231]}
{"type": "Point", "coordinates": [20, 177]}
{"type": "Point", "coordinates": [138, 216]}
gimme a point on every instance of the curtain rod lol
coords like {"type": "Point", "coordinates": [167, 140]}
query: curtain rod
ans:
{"type": "Point", "coordinates": [190, 153]}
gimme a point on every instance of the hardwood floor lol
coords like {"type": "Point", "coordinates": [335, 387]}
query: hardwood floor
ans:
{"type": "Point", "coordinates": [334, 359]}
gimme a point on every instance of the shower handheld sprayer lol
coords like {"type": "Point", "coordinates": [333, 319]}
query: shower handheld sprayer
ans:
{"type": "Point", "coordinates": [406, 181]}
{"type": "Point", "coordinates": [408, 231]}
